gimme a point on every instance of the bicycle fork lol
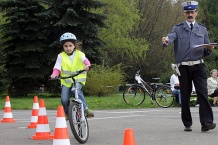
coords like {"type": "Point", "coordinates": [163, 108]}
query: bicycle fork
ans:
{"type": "Point", "coordinates": [80, 105]}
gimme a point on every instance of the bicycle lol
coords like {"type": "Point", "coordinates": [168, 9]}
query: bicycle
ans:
{"type": "Point", "coordinates": [77, 119]}
{"type": "Point", "coordinates": [135, 94]}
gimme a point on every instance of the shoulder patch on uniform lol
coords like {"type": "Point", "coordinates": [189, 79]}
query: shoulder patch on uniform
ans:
{"type": "Point", "coordinates": [179, 24]}
{"type": "Point", "coordinates": [202, 24]}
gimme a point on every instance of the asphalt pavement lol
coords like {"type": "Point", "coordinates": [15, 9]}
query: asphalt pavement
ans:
{"type": "Point", "coordinates": [151, 126]}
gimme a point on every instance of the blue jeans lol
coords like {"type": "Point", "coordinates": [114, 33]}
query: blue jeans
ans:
{"type": "Point", "coordinates": [177, 92]}
{"type": "Point", "coordinates": [65, 97]}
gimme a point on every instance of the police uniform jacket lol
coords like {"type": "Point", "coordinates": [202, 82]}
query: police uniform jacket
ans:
{"type": "Point", "coordinates": [184, 39]}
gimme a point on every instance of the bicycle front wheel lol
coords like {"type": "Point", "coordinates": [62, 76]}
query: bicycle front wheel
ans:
{"type": "Point", "coordinates": [80, 129]}
{"type": "Point", "coordinates": [164, 96]}
{"type": "Point", "coordinates": [134, 95]}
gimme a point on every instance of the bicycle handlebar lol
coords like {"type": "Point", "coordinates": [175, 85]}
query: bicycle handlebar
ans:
{"type": "Point", "coordinates": [138, 72]}
{"type": "Point", "coordinates": [72, 76]}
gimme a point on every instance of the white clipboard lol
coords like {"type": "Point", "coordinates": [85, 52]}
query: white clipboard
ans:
{"type": "Point", "coordinates": [204, 45]}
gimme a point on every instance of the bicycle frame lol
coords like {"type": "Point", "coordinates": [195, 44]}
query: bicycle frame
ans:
{"type": "Point", "coordinates": [149, 88]}
{"type": "Point", "coordinates": [142, 82]}
{"type": "Point", "coordinates": [77, 119]}
{"type": "Point", "coordinates": [76, 97]}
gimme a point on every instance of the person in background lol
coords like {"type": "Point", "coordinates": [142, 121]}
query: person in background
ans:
{"type": "Point", "coordinates": [212, 86]}
{"type": "Point", "coordinates": [193, 88]}
{"type": "Point", "coordinates": [174, 85]}
{"type": "Point", "coordinates": [197, 103]}
{"type": "Point", "coordinates": [68, 62]}
{"type": "Point", "coordinates": [191, 65]}
{"type": "Point", "coordinates": [194, 93]}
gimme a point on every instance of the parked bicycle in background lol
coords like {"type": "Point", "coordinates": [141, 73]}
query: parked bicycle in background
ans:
{"type": "Point", "coordinates": [135, 94]}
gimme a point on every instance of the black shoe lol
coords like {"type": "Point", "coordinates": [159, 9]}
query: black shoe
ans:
{"type": "Point", "coordinates": [208, 126]}
{"type": "Point", "coordinates": [188, 128]}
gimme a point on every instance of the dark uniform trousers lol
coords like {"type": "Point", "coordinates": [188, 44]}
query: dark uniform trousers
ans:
{"type": "Point", "coordinates": [198, 74]}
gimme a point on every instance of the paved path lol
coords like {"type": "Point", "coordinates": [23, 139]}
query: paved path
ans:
{"type": "Point", "coordinates": [153, 126]}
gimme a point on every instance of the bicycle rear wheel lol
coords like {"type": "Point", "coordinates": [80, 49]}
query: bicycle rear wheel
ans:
{"type": "Point", "coordinates": [80, 129]}
{"type": "Point", "coordinates": [164, 96]}
{"type": "Point", "coordinates": [134, 95]}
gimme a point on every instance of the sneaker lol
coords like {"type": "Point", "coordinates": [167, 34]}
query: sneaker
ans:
{"type": "Point", "coordinates": [89, 113]}
{"type": "Point", "coordinates": [66, 117]}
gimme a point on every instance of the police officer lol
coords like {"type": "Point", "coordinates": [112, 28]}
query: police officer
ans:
{"type": "Point", "coordinates": [191, 65]}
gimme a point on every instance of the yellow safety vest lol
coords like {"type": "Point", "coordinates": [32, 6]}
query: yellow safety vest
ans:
{"type": "Point", "coordinates": [69, 67]}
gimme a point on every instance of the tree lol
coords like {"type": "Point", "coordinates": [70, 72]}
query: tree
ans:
{"type": "Point", "coordinates": [75, 16]}
{"type": "Point", "coordinates": [121, 44]}
{"type": "Point", "coordinates": [31, 37]}
{"type": "Point", "coordinates": [122, 18]}
{"type": "Point", "coordinates": [134, 32]}
{"type": "Point", "coordinates": [3, 80]}
{"type": "Point", "coordinates": [209, 17]}
{"type": "Point", "coordinates": [22, 44]}
{"type": "Point", "coordinates": [157, 19]}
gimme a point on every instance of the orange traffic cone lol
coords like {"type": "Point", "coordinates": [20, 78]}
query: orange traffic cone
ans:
{"type": "Point", "coordinates": [8, 117]}
{"type": "Point", "coordinates": [129, 137]}
{"type": "Point", "coordinates": [42, 127]}
{"type": "Point", "coordinates": [61, 136]}
{"type": "Point", "coordinates": [35, 111]}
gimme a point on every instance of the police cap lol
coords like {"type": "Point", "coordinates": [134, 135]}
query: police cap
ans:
{"type": "Point", "coordinates": [190, 5]}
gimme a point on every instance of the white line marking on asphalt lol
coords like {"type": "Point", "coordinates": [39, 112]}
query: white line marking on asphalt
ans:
{"type": "Point", "coordinates": [23, 119]}
{"type": "Point", "coordinates": [22, 127]}
{"type": "Point", "coordinates": [115, 117]}
{"type": "Point", "coordinates": [28, 121]}
{"type": "Point", "coordinates": [104, 118]}
{"type": "Point", "coordinates": [129, 111]}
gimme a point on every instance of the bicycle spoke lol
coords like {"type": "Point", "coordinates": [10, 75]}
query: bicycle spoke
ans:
{"type": "Point", "coordinates": [164, 96]}
{"type": "Point", "coordinates": [134, 95]}
{"type": "Point", "coordinates": [78, 126]}
{"type": "Point", "coordinates": [80, 131]}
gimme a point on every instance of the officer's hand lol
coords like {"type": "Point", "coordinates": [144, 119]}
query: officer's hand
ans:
{"type": "Point", "coordinates": [165, 40]}
{"type": "Point", "coordinates": [210, 47]}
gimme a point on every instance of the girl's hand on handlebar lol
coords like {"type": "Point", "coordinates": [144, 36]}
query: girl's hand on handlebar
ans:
{"type": "Point", "coordinates": [53, 76]}
{"type": "Point", "coordinates": [87, 68]}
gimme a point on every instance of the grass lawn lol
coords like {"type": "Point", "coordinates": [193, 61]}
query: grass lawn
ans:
{"type": "Point", "coordinates": [94, 102]}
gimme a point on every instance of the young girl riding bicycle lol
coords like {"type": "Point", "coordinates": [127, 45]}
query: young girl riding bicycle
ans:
{"type": "Point", "coordinates": [68, 62]}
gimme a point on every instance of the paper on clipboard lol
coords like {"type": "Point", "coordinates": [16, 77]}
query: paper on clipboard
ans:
{"type": "Point", "coordinates": [204, 45]}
